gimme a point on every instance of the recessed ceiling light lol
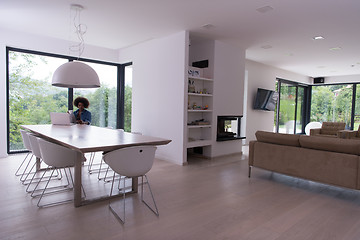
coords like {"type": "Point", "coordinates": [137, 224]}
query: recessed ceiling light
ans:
{"type": "Point", "coordinates": [318, 38]}
{"type": "Point", "coordinates": [335, 48]}
{"type": "Point", "coordinates": [266, 46]}
{"type": "Point", "coordinates": [265, 9]}
{"type": "Point", "coordinates": [208, 26]}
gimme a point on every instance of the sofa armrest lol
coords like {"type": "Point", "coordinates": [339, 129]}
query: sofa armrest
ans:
{"type": "Point", "coordinates": [251, 152]}
{"type": "Point", "coordinates": [347, 134]}
{"type": "Point", "coordinates": [315, 131]}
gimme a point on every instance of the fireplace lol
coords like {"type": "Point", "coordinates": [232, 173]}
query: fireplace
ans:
{"type": "Point", "coordinates": [228, 128]}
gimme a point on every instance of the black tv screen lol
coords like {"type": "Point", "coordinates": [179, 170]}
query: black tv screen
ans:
{"type": "Point", "coordinates": [265, 99]}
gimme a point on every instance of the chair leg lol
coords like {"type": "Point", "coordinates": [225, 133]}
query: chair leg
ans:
{"type": "Point", "coordinates": [101, 169]}
{"type": "Point", "coordinates": [40, 179]}
{"type": "Point", "coordinates": [27, 174]}
{"type": "Point", "coordinates": [91, 160]}
{"type": "Point", "coordinates": [43, 192]}
{"type": "Point", "coordinates": [122, 220]}
{"type": "Point", "coordinates": [37, 184]}
{"type": "Point", "coordinates": [46, 187]}
{"type": "Point", "coordinates": [152, 196]}
{"type": "Point", "coordinates": [249, 171]}
{"type": "Point", "coordinates": [22, 163]}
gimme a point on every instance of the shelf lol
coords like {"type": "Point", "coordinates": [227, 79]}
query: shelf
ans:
{"type": "Point", "coordinates": [200, 94]}
{"type": "Point", "coordinates": [229, 139]}
{"type": "Point", "coordinates": [200, 78]}
{"type": "Point", "coordinates": [199, 126]}
{"type": "Point", "coordinates": [199, 111]}
{"type": "Point", "coordinates": [199, 143]}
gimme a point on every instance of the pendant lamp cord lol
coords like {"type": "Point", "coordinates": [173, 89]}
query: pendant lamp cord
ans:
{"type": "Point", "coordinates": [80, 30]}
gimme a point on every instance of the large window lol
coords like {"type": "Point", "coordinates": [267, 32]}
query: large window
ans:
{"type": "Point", "coordinates": [300, 104]}
{"type": "Point", "coordinates": [332, 103]}
{"type": "Point", "coordinates": [31, 97]}
{"type": "Point", "coordinates": [102, 100]}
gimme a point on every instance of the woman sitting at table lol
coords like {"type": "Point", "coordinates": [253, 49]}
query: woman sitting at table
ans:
{"type": "Point", "coordinates": [82, 115]}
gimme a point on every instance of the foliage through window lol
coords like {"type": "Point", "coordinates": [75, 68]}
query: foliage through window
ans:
{"type": "Point", "coordinates": [31, 97]}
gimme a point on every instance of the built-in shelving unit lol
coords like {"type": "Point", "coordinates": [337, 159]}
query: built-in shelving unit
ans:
{"type": "Point", "coordinates": [199, 109]}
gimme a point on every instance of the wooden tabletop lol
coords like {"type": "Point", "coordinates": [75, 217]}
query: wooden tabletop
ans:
{"type": "Point", "coordinates": [87, 138]}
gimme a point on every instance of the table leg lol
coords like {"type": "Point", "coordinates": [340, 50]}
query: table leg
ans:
{"type": "Point", "coordinates": [134, 184]}
{"type": "Point", "coordinates": [77, 180]}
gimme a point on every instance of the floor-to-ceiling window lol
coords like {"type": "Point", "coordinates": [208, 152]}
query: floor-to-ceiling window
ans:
{"type": "Point", "coordinates": [31, 97]}
{"type": "Point", "coordinates": [300, 104]}
{"type": "Point", "coordinates": [103, 100]}
{"type": "Point", "coordinates": [332, 103]}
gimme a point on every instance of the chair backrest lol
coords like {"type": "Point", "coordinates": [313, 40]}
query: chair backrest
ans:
{"type": "Point", "coordinates": [131, 161]}
{"type": "Point", "coordinates": [56, 155]}
{"type": "Point", "coordinates": [34, 145]}
{"type": "Point", "coordinates": [331, 128]}
{"type": "Point", "coordinates": [25, 138]}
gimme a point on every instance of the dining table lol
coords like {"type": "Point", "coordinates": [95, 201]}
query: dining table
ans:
{"type": "Point", "coordinates": [86, 139]}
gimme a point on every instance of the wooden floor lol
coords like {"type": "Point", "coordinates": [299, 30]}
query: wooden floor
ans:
{"type": "Point", "coordinates": [206, 199]}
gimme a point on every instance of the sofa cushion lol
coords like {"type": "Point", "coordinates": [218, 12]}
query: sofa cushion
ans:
{"type": "Point", "coordinates": [331, 144]}
{"type": "Point", "coordinates": [278, 138]}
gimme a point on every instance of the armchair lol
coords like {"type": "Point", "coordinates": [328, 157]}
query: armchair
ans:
{"type": "Point", "coordinates": [328, 129]}
{"type": "Point", "coordinates": [348, 134]}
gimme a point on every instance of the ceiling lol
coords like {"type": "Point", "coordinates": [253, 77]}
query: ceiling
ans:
{"type": "Point", "coordinates": [274, 32]}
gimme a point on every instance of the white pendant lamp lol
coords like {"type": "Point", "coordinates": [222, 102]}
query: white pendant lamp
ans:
{"type": "Point", "coordinates": [76, 74]}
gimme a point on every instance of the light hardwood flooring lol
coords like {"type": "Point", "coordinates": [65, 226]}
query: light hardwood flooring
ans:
{"type": "Point", "coordinates": [206, 199]}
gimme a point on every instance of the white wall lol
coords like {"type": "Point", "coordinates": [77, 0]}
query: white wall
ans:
{"type": "Point", "coordinates": [229, 72]}
{"type": "Point", "coordinates": [263, 76]}
{"type": "Point", "coordinates": [158, 91]}
{"type": "Point", "coordinates": [227, 68]}
{"type": "Point", "coordinates": [42, 44]}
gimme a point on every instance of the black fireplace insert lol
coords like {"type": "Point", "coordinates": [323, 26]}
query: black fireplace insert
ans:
{"type": "Point", "coordinates": [228, 128]}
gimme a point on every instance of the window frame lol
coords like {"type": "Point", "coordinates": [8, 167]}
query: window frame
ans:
{"type": "Point", "coordinates": [308, 98]}
{"type": "Point", "coordinates": [120, 86]}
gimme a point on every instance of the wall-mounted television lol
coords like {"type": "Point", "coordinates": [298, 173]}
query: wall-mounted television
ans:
{"type": "Point", "coordinates": [266, 99]}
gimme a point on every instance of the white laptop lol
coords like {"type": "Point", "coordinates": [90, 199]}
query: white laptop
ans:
{"type": "Point", "coordinates": [61, 118]}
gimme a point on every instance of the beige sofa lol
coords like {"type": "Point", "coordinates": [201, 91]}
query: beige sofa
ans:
{"type": "Point", "coordinates": [333, 161]}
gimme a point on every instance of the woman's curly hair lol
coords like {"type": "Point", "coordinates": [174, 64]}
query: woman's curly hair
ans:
{"type": "Point", "coordinates": [81, 100]}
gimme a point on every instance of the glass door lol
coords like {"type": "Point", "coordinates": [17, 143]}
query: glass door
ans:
{"type": "Point", "coordinates": [290, 112]}
{"type": "Point", "coordinates": [287, 106]}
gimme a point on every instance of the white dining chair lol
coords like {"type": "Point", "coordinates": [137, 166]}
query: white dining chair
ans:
{"type": "Point", "coordinates": [35, 179]}
{"type": "Point", "coordinates": [57, 158]}
{"type": "Point", "coordinates": [131, 162]}
{"type": "Point", "coordinates": [28, 157]}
